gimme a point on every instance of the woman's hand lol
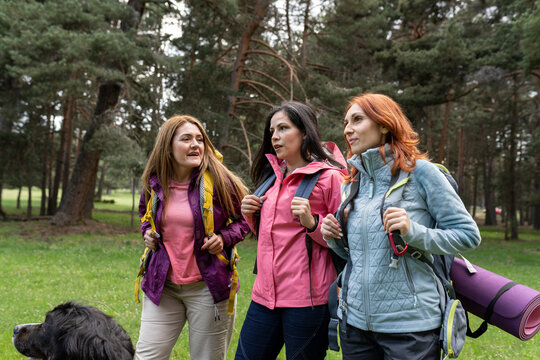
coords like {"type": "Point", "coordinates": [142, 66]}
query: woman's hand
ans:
{"type": "Point", "coordinates": [330, 227]}
{"type": "Point", "coordinates": [214, 244]}
{"type": "Point", "coordinates": [300, 208]}
{"type": "Point", "coordinates": [150, 239]}
{"type": "Point", "coordinates": [396, 219]}
{"type": "Point", "coordinates": [251, 204]}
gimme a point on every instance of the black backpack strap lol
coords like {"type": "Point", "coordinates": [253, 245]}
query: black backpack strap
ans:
{"type": "Point", "coordinates": [307, 184]}
{"type": "Point", "coordinates": [304, 190]}
{"type": "Point", "coordinates": [334, 320]}
{"type": "Point", "coordinates": [343, 278]}
{"type": "Point", "coordinates": [340, 213]}
{"type": "Point", "coordinates": [261, 190]}
{"type": "Point", "coordinates": [489, 311]}
{"type": "Point", "coordinates": [266, 184]}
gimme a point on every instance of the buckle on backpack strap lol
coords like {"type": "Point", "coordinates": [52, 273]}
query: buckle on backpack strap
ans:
{"type": "Point", "coordinates": [416, 254]}
{"type": "Point", "coordinates": [343, 306]}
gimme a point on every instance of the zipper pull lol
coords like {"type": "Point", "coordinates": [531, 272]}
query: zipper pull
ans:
{"type": "Point", "coordinates": [371, 188]}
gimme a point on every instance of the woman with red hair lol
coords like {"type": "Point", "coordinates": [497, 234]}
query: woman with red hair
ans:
{"type": "Point", "coordinates": [389, 309]}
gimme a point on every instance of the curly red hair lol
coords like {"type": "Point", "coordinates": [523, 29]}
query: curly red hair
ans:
{"type": "Point", "coordinates": [401, 136]}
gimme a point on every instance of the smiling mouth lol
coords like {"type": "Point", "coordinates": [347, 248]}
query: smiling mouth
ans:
{"type": "Point", "coordinates": [277, 147]}
{"type": "Point", "coordinates": [193, 154]}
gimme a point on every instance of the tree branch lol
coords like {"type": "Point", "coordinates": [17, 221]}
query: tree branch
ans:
{"type": "Point", "coordinates": [279, 83]}
{"type": "Point", "coordinates": [258, 92]}
{"type": "Point", "coordinates": [257, 83]}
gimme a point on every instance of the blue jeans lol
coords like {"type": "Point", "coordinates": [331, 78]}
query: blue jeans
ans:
{"type": "Point", "coordinates": [304, 331]}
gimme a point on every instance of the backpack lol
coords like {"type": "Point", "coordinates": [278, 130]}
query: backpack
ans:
{"type": "Point", "coordinates": [454, 322]}
{"type": "Point", "coordinates": [304, 191]}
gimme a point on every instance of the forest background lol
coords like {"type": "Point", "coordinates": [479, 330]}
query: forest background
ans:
{"type": "Point", "coordinates": [85, 86]}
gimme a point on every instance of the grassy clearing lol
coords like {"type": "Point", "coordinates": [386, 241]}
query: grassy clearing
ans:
{"type": "Point", "coordinates": [95, 264]}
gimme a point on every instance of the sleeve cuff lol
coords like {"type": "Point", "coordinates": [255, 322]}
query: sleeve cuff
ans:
{"type": "Point", "coordinates": [316, 217]}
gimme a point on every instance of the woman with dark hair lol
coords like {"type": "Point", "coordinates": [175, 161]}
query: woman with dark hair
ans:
{"type": "Point", "coordinates": [289, 306]}
{"type": "Point", "coordinates": [185, 279]}
{"type": "Point", "coordinates": [392, 312]}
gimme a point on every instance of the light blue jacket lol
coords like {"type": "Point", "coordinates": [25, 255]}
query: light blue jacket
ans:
{"type": "Point", "coordinates": [387, 300]}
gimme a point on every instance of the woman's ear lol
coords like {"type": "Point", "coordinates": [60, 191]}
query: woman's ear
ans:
{"type": "Point", "coordinates": [384, 130]}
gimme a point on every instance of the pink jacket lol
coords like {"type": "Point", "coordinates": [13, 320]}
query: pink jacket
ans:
{"type": "Point", "coordinates": [282, 261]}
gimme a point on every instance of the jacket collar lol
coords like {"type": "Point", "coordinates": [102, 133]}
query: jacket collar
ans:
{"type": "Point", "coordinates": [371, 160]}
{"type": "Point", "coordinates": [278, 165]}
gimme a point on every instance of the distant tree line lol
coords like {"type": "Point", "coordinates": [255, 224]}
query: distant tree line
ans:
{"type": "Point", "coordinates": [85, 85]}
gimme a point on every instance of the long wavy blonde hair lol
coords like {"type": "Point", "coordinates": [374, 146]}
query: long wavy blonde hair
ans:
{"type": "Point", "coordinates": [229, 187]}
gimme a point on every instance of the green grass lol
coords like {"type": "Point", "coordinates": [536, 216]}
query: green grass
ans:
{"type": "Point", "coordinates": [96, 265]}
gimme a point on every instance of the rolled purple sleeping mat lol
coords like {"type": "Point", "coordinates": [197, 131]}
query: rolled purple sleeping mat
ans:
{"type": "Point", "coordinates": [516, 311]}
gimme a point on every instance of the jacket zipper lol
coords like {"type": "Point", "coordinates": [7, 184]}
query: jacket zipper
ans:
{"type": "Point", "coordinates": [365, 243]}
{"type": "Point", "coordinates": [410, 282]}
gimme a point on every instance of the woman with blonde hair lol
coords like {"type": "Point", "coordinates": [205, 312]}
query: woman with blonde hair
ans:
{"type": "Point", "coordinates": [185, 279]}
{"type": "Point", "coordinates": [389, 309]}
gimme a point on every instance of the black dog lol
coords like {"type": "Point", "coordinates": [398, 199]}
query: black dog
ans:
{"type": "Point", "coordinates": [74, 332]}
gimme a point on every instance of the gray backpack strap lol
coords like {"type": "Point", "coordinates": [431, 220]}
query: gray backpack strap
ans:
{"type": "Point", "coordinates": [395, 190]}
{"type": "Point", "coordinates": [343, 278]}
{"type": "Point", "coordinates": [304, 190]}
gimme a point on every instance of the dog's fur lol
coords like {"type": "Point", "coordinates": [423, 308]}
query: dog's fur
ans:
{"type": "Point", "coordinates": [74, 332]}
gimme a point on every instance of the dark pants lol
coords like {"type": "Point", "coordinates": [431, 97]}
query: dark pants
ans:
{"type": "Point", "coordinates": [302, 330]}
{"type": "Point", "coordinates": [359, 344]}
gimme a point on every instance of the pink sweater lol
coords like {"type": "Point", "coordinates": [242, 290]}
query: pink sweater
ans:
{"type": "Point", "coordinates": [178, 236]}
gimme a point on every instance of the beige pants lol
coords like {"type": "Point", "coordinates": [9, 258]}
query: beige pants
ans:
{"type": "Point", "coordinates": [210, 328]}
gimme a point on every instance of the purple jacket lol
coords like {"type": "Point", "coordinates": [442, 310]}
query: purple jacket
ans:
{"type": "Point", "coordinates": [216, 274]}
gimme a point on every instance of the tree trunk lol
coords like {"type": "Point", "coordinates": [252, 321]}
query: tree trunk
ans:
{"type": "Point", "coordinates": [512, 223]}
{"type": "Point", "coordinates": [43, 203]}
{"type": "Point", "coordinates": [535, 209]}
{"type": "Point", "coordinates": [132, 200]}
{"type": "Point", "coordinates": [475, 190]}
{"type": "Point", "coordinates": [89, 207]}
{"type": "Point", "coordinates": [50, 166]}
{"type": "Point", "coordinates": [289, 31]}
{"type": "Point", "coordinates": [2, 212]}
{"type": "Point", "coordinates": [489, 198]}
{"type": "Point", "coordinates": [461, 164]}
{"type": "Point", "coordinates": [99, 192]}
{"type": "Point", "coordinates": [68, 119]}
{"type": "Point", "coordinates": [19, 197]}
{"type": "Point", "coordinates": [45, 171]}
{"type": "Point", "coordinates": [29, 203]}
{"type": "Point", "coordinates": [305, 34]}
{"type": "Point", "coordinates": [429, 140]}
{"type": "Point", "coordinates": [81, 186]}
{"type": "Point", "coordinates": [238, 67]}
{"type": "Point", "coordinates": [53, 196]}
{"type": "Point", "coordinates": [442, 145]}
